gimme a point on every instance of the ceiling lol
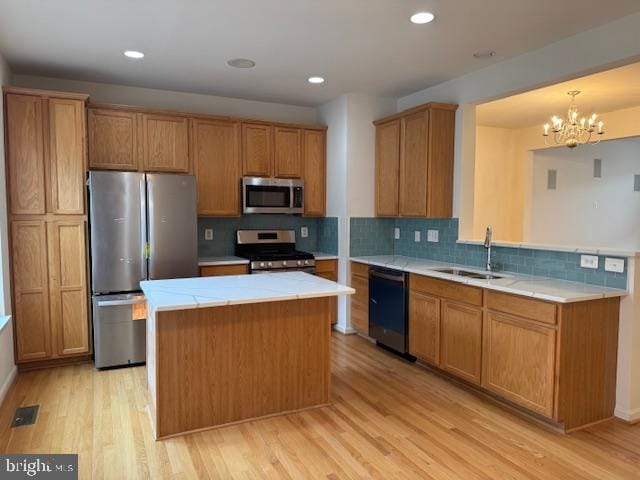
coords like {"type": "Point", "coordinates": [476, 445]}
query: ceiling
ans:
{"type": "Point", "coordinates": [357, 45]}
{"type": "Point", "coordinates": [601, 92]}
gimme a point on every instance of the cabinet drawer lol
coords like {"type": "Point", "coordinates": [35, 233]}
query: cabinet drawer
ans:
{"type": "Point", "coordinates": [360, 269]}
{"type": "Point", "coordinates": [219, 270]}
{"type": "Point", "coordinates": [326, 266]}
{"type": "Point", "coordinates": [445, 289]}
{"type": "Point", "coordinates": [522, 306]}
{"type": "Point", "coordinates": [360, 303]}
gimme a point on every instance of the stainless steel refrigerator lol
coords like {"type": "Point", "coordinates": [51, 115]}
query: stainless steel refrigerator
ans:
{"type": "Point", "coordinates": [142, 226]}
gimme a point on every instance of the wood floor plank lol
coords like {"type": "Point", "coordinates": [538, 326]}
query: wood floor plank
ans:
{"type": "Point", "coordinates": [388, 419]}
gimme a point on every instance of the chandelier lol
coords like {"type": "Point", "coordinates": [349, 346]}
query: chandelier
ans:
{"type": "Point", "coordinates": [572, 132]}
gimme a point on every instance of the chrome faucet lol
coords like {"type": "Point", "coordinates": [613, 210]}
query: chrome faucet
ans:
{"type": "Point", "coordinates": [487, 244]}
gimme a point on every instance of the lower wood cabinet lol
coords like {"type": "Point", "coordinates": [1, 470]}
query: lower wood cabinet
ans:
{"type": "Point", "coordinates": [360, 299]}
{"type": "Point", "coordinates": [424, 327]}
{"type": "Point", "coordinates": [220, 270]}
{"type": "Point", "coordinates": [461, 341]}
{"type": "Point", "coordinates": [520, 361]}
{"type": "Point", "coordinates": [50, 288]}
{"type": "Point", "coordinates": [329, 269]}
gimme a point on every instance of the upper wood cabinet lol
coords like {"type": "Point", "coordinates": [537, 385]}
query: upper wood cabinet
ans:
{"type": "Point", "coordinates": [46, 154]}
{"type": "Point", "coordinates": [67, 162]}
{"type": "Point", "coordinates": [68, 286]}
{"type": "Point", "coordinates": [314, 172]}
{"type": "Point", "coordinates": [257, 150]}
{"type": "Point", "coordinates": [387, 168]}
{"type": "Point", "coordinates": [165, 143]}
{"type": "Point", "coordinates": [113, 139]}
{"type": "Point", "coordinates": [25, 156]}
{"type": "Point", "coordinates": [424, 327]}
{"type": "Point", "coordinates": [30, 290]}
{"type": "Point", "coordinates": [414, 162]}
{"type": "Point", "coordinates": [215, 146]}
{"type": "Point", "coordinates": [287, 152]}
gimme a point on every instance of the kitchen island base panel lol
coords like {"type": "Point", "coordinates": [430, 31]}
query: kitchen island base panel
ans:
{"type": "Point", "coordinates": [223, 365]}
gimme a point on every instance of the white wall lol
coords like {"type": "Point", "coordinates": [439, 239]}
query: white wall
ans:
{"type": "Point", "coordinates": [583, 210]}
{"type": "Point", "coordinates": [186, 102]}
{"type": "Point", "coordinates": [7, 366]}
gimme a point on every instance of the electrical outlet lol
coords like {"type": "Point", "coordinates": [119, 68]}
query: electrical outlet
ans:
{"type": "Point", "coordinates": [614, 265]}
{"type": "Point", "coordinates": [416, 236]}
{"type": "Point", "coordinates": [208, 233]}
{"type": "Point", "coordinates": [433, 236]}
{"type": "Point", "coordinates": [589, 261]}
{"type": "Point", "coordinates": [304, 232]}
{"type": "Point", "coordinates": [396, 233]}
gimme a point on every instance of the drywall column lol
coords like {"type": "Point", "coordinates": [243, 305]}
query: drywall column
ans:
{"type": "Point", "coordinates": [7, 367]}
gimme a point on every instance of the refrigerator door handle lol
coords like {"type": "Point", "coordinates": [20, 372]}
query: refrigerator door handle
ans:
{"type": "Point", "coordinates": [115, 303]}
{"type": "Point", "coordinates": [144, 247]}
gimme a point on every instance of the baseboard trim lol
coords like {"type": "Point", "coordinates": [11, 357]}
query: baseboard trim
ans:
{"type": "Point", "coordinates": [629, 416]}
{"type": "Point", "coordinates": [344, 330]}
{"type": "Point", "coordinates": [7, 383]}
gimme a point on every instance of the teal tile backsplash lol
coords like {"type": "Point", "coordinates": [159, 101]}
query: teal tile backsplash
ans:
{"type": "Point", "coordinates": [374, 236]}
{"type": "Point", "coordinates": [323, 232]}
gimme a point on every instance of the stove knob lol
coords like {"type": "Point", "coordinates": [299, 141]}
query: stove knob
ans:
{"type": "Point", "coordinates": [284, 263]}
{"type": "Point", "coordinates": [306, 262]}
{"type": "Point", "coordinates": [269, 264]}
{"type": "Point", "coordinates": [299, 262]}
{"type": "Point", "coordinates": [262, 264]}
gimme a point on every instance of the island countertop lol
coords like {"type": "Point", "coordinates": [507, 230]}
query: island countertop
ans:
{"type": "Point", "coordinates": [205, 292]}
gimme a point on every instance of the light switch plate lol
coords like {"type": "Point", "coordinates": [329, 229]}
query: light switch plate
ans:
{"type": "Point", "coordinates": [614, 265]}
{"type": "Point", "coordinates": [304, 232]}
{"type": "Point", "coordinates": [589, 261]}
{"type": "Point", "coordinates": [208, 233]}
{"type": "Point", "coordinates": [416, 236]}
{"type": "Point", "coordinates": [433, 236]}
{"type": "Point", "coordinates": [396, 233]}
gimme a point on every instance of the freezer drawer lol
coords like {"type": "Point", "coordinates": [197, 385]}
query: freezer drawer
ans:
{"type": "Point", "coordinates": [118, 339]}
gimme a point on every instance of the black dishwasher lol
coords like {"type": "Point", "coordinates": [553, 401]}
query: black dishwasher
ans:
{"type": "Point", "coordinates": [388, 322]}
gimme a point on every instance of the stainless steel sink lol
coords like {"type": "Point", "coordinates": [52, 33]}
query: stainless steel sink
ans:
{"type": "Point", "coordinates": [467, 273]}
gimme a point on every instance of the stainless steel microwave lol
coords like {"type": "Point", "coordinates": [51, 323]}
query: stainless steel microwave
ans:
{"type": "Point", "coordinates": [272, 195]}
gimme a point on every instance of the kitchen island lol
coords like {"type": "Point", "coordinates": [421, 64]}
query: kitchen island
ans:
{"type": "Point", "coordinates": [222, 350]}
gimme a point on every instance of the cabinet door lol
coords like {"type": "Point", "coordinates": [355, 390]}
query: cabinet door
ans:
{"type": "Point", "coordinates": [424, 327]}
{"type": "Point", "coordinates": [113, 139]}
{"type": "Point", "coordinates": [68, 286]}
{"type": "Point", "coordinates": [30, 290]}
{"type": "Point", "coordinates": [314, 166]}
{"type": "Point", "coordinates": [221, 270]}
{"type": "Point", "coordinates": [66, 156]}
{"type": "Point", "coordinates": [166, 143]}
{"type": "Point", "coordinates": [387, 168]}
{"type": "Point", "coordinates": [413, 165]}
{"type": "Point", "coordinates": [257, 150]}
{"type": "Point", "coordinates": [287, 152]}
{"type": "Point", "coordinates": [441, 149]}
{"type": "Point", "coordinates": [519, 361]}
{"type": "Point", "coordinates": [25, 158]}
{"type": "Point", "coordinates": [461, 341]}
{"type": "Point", "coordinates": [360, 304]}
{"type": "Point", "coordinates": [216, 155]}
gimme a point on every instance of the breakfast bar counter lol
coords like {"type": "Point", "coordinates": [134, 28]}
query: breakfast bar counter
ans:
{"type": "Point", "coordinates": [222, 350]}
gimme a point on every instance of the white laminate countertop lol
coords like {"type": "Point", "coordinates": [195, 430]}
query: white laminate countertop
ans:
{"type": "Point", "coordinates": [204, 292]}
{"type": "Point", "coordinates": [549, 289]}
{"type": "Point", "coordinates": [227, 260]}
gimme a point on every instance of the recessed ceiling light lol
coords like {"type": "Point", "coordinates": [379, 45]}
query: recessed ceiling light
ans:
{"type": "Point", "coordinates": [241, 63]}
{"type": "Point", "coordinates": [422, 17]}
{"type": "Point", "coordinates": [316, 80]}
{"type": "Point", "coordinates": [484, 54]}
{"type": "Point", "coordinates": [133, 54]}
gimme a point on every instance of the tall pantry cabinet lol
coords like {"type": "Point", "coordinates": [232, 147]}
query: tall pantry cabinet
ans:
{"type": "Point", "coordinates": [45, 142]}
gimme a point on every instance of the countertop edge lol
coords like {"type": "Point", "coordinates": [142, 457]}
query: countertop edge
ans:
{"type": "Point", "coordinates": [607, 292]}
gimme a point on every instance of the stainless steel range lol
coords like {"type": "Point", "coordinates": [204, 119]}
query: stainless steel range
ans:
{"type": "Point", "coordinates": [270, 251]}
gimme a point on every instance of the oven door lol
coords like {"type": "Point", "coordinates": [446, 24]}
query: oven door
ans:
{"type": "Point", "coordinates": [271, 195]}
{"type": "Point", "coordinates": [311, 270]}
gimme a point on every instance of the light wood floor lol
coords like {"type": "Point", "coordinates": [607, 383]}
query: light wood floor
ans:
{"type": "Point", "coordinates": [389, 420]}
